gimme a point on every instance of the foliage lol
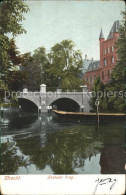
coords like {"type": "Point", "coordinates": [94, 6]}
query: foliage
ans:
{"type": "Point", "coordinates": [11, 16]}
{"type": "Point", "coordinates": [61, 67]}
{"type": "Point", "coordinates": [98, 93]}
{"type": "Point", "coordinates": [34, 66]}
{"type": "Point", "coordinates": [3, 88]}
{"type": "Point", "coordinates": [65, 65]}
{"type": "Point", "coordinates": [39, 62]}
{"type": "Point", "coordinates": [16, 79]}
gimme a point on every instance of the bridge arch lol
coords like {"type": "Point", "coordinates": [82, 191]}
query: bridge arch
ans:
{"type": "Point", "coordinates": [66, 104]}
{"type": "Point", "coordinates": [28, 104]}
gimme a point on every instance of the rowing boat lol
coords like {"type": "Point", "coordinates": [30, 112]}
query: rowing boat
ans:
{"type": "Point", "coordinates": [92, 116]}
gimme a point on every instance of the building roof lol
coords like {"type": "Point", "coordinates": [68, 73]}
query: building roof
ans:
{"type": "Point", "coordinates": [93, 66]}
{"type": "Point", "coordinates": [101, 35]}
{"type": "Point", "coordinates": [86, 64]}
{"type": "Point", "coordinates": [115, 28]}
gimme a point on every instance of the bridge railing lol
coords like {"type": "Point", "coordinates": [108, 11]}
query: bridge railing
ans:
{"type": "Point", "coordinates": [49, 92]}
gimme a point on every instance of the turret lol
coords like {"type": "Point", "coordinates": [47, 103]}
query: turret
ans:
{"type": "Point", "coordinates": [101, 37]}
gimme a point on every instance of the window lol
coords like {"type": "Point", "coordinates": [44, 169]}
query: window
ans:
{"type": "Point", "coordinates": [112, 59]}
{"type": "Point", "coordinates": [104, 51]}
{"type": "Point", "coordinates": [112, 48]}
{"type": "Point", "coordinates": [105, 62]}
{"type": "Point", "coordinates": [108, 73]}
{"type": "Point", "coordinates": [87, 79]}
{"type": "Point", "coordinates": [108, 50]}
{"type": "Point", "coordinates": [90, 80]}
{"type": "Point", "coordinates": [102, 75]}
{"type": "Point", "coordinates": [94, 77]}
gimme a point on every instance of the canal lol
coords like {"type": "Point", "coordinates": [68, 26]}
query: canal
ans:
{"type": "Point", "coordinates": [32, 144]}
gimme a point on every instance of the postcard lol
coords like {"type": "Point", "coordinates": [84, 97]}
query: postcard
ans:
{"type": "Point", "coordinates": [63, 97]}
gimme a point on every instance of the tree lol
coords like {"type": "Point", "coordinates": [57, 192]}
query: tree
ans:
{"type": "Point", "coordinates": [11, 16]}
{"type": "Point", "coordinates": [16, 79]}
{"type": "Point", "coordinates": [65, 64]}
{"type": "Point", "coordinates": [99, 91]}
{"type": "Point", "coordinates": [27, 67]}
{"type": "Point", "coordinates": [35, 65]}
{"type": "Point", "coordinates": [40, 61]}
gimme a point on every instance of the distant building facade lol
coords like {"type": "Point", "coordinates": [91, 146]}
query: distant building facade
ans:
{"type": "Point", "coordinates": [108, 58]}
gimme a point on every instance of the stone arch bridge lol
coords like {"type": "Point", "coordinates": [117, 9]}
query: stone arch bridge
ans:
{"type": "Point", "coordinates": [43, 99]}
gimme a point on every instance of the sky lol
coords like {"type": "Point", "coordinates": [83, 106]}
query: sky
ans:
{"type": "Point", "coordinates": [50, 22]}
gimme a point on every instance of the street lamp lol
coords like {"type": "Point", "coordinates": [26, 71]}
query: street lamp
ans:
{"type": "Point", "coordinates": [97, 104]}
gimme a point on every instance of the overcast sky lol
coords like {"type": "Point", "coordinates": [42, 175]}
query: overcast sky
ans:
{"type": "Point", "coordinates": [50, 22]}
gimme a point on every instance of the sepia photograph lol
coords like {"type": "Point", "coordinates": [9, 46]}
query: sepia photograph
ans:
{"type": "Point", "coordinates": [62, 97]}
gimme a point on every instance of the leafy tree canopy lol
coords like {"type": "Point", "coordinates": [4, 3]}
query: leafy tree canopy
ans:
{"type": "Point", "coordinates": [11, 16]}
{"type": "Point", "coordinates": [65, 64]}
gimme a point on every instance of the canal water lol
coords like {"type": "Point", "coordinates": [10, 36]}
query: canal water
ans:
{"type": "Point", "coordinates": [33, 144]}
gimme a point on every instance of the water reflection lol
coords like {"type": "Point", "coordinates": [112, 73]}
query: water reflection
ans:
{"type": "Point", "coordinates": [44, 145]}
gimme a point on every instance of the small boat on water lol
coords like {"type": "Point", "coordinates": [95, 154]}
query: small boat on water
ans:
{"type": "Point", "coordinates": [90, 116]}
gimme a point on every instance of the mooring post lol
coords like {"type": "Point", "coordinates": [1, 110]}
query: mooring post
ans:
{"type": "Point", "coordinates": [39, 109]}
{"type": "Point", "coordinates": [50, 109]}
{"type": "Point", "coordinates": [82, 108]}
{"type": "Point", "coordinates": [2, 112]}
{"type": "Point", "coordinates": [97, 104]}
{"type": "Point", "coordinates": [20, 108]}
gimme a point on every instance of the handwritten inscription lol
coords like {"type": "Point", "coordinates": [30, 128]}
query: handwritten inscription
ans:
{"type": "Point", "coordinates": [103, 182]}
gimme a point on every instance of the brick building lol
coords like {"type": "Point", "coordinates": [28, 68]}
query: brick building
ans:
{"type": "Point", "coordinates": [108, 57]}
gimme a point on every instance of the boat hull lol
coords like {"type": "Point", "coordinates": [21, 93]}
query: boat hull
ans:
{"type": "Point", "coordinates": [91, 116]}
